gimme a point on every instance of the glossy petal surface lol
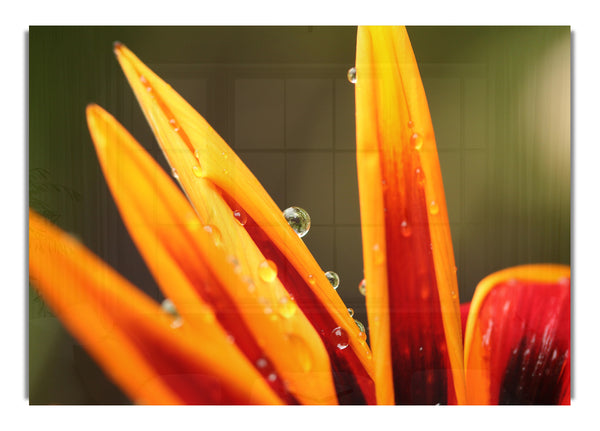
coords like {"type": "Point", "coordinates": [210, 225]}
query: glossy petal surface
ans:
{"type": "Point", "coordinates": [196, 268]}
{"type": "Point", "coordinates": [517, 343]}
{"type": "Point", "coordinates": [131, 337]}
{"type": "Point", "coordinates": [222, 190]}
{"type": "Point", "coordinates": [412, 295]}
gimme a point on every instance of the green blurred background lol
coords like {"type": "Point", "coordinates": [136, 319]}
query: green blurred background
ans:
{"type": "Point", "coordinates": [499, 99]}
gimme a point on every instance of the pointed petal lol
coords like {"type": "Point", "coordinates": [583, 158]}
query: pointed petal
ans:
{"type": "Point", "coordinates": [412, 297]}
{"type": "Point", "coordinates": [214, 177]}
{"type": "Point", "coordinates": [130, 336]}
{"type": "Point", "coordinates": [194, 271]}
{"type": "Point", "coordinates": [517, 342]}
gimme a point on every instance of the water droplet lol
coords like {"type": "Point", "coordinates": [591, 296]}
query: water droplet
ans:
{"type": "Point", "coordinates": [174, 124]}
{"type": "Point", "coordinates": [215, 232]}
{"type": "Point", "coordinates": [411, 124]}
{"type": "Point", "coordinates": [272, 377]}
{"type": "Point", "coordinates": [311, 279]}
{"type": "Point", "coordinates": [267, 271]}
{"type": "Point", "coordinates": [351, 311]}
{"type": "Point", "coordinates": [362, 287]}
{"type": "Point", "coordinates": [352, 75]}
{"type": "Point", "coordinates": [420, 177]}
{"type": "Point", "coordinates": [143, 79]}
{"type": "Point", "coordinates": [240, 216]}
{"type": "Point", "coordinates": [174, 173]}
{"type": "Point", "coordinates": [339, 337]}
{"type": "Point", "coordinates": [416, 141]}
{"type": "Point", "coordinates": [298, 219]}
{"type": "Point", "coordinates": [224, 154]}
{"type": "Point", "coordinates": [405, 229]}
{"type": "Point", "coordinates": [197, 154]}
{"type": "Point", "coordinates": [361, 327]}
{"type": "Point", "coordinates": [434, 208]}
{"type": "Point", "coordinates": [286, 308]}
{"type": "Point", "coordinates": [301, 351]}
{"type": "Point", "coordinates": [169, 307]}
{"type": "Point", "coordinates": [197, 170]}
{"type": "Point", "coordinates": [261, 363]}
{"type": "Point", "coordinates": [333, 278]}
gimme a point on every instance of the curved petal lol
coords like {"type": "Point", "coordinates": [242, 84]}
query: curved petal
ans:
{"type": "Point", "coordinates": [517, 342]}
{"type": "Point", "coordinates": [220, 187]}
{"type": "Point", "coordinates": [130, 336]}
{"type": "Point", "coordinates": [193, 268]}
{"type": "Point", "coordinates": [412, 295]}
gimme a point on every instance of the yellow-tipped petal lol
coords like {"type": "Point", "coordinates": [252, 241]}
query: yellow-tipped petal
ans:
{"type": "Point", "coordinates": [218, 183]}
{"type": "Point", "coordinates": [214, 266]}
{"type": "Point", "coordinates": [130, 336]}
{"type": "Point", "coordinates": [407, 248]}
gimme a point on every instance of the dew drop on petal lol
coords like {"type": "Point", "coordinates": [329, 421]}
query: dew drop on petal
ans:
{"type": "Point", "coordinates": [240, 216]}
{"type": "Point", "coordinates": [378, 255]}
{"type": "Point", "coordinates": [420, 177]}
{"type": "Point", "coordinates": [352, 75]}
{"type": "Point", "coordinates": [169, 307]}
{"type": "Point", "coordinates": [405, 229]}
{"type": "Point", "coordinates": [339, 337]}
{"type": "Point", "coordinates": [174, 173]}
{"type": "Point", "coordinates": [416, 141]}
{"type": "Point", "coordinates": [361, 327]}
{"type": "Point", "coordinates": [362, 287]}
{"type": "Point", "coordinates": [311, 279]}
{"type": "Point", "coordinates": [286, 307]}
{"type": "Point", "coordinates": [351, 311]}
{"type": "Point", "coordinates": [267, 271]}
{"type": "Point", "coordinates": [434, 208]}
{"type": "Point", "coordinates": [298, 219]}
{"type": "Point", "coordinates": [197, 170]}
{"type": "Point", "coordinates": [411, 124]}
{"type": "Point", "coordinates": [333, 278]}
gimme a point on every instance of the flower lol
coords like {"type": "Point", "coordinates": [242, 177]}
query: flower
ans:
{"type": "Point", "coordinates": [256, 320]}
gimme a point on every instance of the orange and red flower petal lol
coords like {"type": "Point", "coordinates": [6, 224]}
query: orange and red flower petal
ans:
{"type": "Point", "coordinates": [517, 342]}
{"type": "Point", "coordinates": [226, 195]}
{"type": "Point", "coordinates": [130, 336]}
{"type": "Point", "coordinates": [195, 266]}
{"type": "Point", "coordinates": [412, 295]}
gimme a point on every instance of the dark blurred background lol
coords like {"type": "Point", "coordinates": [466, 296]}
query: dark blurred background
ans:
{"type": "Point", "coordinates": [499, 98]}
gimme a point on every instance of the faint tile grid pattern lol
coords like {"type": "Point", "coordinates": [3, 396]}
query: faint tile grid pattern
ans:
{"type": "Point", "coordinates": [294, 128]}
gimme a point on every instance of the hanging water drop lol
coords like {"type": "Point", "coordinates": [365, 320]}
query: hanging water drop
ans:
{"type": "Point", "coordinates": [174, 173]}
{"type": "Point", "coordinates": [416, 141]}
{"type": "Point", "coordinates": [267, 271]}
{"type": "Point", "coordinates": [339, 337]}
{"type": "Point", "coordinates": [362, 287]}
{"type": "Point", "coordinates": [298, 219]}
{"type": "Point", "coordinates": [169, 307]}
{"type": "Point", "coordinates": [352, 75]}
{"type": "Point", "coordinates": [361, 327]}
{"type": "Point", "coordinates": [240, 216]}
{"type": "Point", "coordinates": [351, 311]}
{"type": "Point", "coordinates": [333, 278]}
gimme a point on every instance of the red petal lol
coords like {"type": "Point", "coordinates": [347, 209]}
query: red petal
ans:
{"type": "Point", "coordinates": [518, 337]}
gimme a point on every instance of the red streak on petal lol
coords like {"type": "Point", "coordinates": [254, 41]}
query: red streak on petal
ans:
{"type": "Point", "coordinates": [525, 328]}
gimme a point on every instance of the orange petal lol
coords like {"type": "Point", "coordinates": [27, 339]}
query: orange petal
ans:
{"type": "Point", "coordinates": [412, 295]}
{"type": "Point", "coordinates": [130, 336]}
{"type": "Point", "coordinates": [517, 341]}
{"type": "Point", "coordinates": [197, 270]}
{"type": "Point", "coordinates": [218, 184]}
